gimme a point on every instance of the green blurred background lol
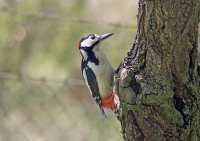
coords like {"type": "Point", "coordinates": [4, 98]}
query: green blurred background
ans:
{"type": "Point", "coordinates": [42, 95]}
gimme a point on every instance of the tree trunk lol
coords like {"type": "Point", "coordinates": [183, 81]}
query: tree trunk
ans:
{"type": "Point", "coordinates": [164, 55]}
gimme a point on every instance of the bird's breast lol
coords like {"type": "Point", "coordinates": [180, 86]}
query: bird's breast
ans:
{"type": "Point", "coordinates": [104, 75]}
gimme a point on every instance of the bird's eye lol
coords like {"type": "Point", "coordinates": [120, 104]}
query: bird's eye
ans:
{"type": "Point", "coordinates": [92, 36]}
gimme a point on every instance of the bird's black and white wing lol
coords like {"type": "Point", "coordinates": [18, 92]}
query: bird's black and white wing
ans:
{"type": "Point", "coordinates": [92, 84]}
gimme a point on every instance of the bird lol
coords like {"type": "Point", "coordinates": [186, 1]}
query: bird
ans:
{"type": "Point", "coordinates": [98, 72]}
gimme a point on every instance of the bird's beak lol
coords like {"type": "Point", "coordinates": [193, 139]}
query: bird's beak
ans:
{"type": "Point", "coordinates": [105, 36]}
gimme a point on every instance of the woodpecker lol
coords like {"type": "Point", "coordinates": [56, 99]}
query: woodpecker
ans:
{"type": "Point", "coordinates": [97, 72]}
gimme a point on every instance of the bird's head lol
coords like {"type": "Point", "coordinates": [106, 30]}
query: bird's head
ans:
{"type": "Point", "coordinates": [91, 41]}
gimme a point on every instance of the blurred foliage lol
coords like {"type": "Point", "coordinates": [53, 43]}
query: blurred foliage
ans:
{"type": "Point", "coordinates": [38, 40]}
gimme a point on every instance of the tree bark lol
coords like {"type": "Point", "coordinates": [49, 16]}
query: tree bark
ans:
{"type": "Point", "coordinates": [164, 54]}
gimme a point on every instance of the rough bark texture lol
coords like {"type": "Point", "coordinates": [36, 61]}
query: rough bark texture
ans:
{"type": "Point", "coordinates": [164, 53]}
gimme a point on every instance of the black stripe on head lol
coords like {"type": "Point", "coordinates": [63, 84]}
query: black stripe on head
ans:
{"type": "Point", "coordinates": [92, 36]}
{"type": "Point", "coordinates": [83, 38]}
{"type": "Point", "coordinates": [87, 36]}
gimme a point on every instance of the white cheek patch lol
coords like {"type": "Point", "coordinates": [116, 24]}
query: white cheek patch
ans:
{"type": "Point", "coordinates": [88, 42]}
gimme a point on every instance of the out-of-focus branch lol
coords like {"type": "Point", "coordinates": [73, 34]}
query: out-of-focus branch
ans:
{"type": "Point", "coordinates": [12, 76]}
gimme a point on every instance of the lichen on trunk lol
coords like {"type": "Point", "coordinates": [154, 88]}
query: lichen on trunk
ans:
{"type": "Point", "coordinates": [164, 53]}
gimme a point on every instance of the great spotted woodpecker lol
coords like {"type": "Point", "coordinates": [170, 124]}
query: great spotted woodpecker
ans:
{"type": "Point", "coordinates": [98, 72]}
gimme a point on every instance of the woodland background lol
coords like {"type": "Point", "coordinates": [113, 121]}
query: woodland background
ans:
{"type": "Point", "coordinates": [42, 95]}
